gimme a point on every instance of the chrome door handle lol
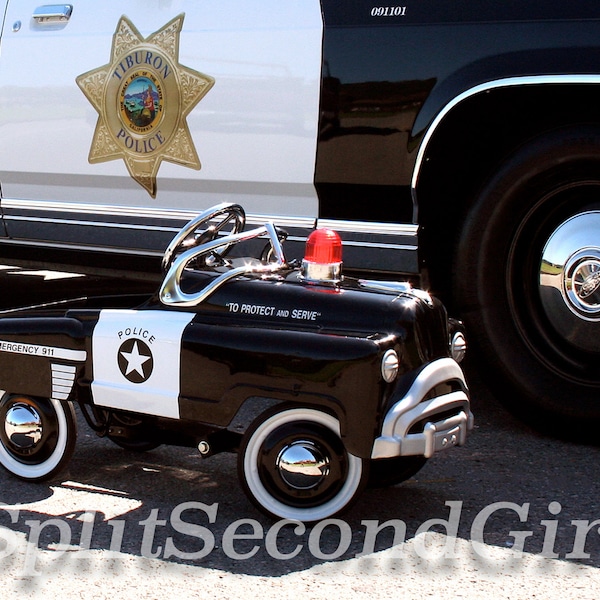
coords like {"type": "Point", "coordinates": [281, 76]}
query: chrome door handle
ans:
{"type": "Point", "coordinates": [53, 13]}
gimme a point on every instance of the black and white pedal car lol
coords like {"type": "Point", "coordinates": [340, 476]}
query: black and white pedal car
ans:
{"type": "Point", "coordinates": [320, 382]}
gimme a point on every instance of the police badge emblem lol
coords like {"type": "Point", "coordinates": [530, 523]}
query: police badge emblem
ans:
{"type": "Point", "coordinates": [143, 97]}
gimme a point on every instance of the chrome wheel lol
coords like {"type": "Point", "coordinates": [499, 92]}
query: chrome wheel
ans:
{"type": "Point", "coordinates": [570, 280]}
{"type": "Point", "coordinates": [37, 436]}
{"type": "Point", "coordinates": [293, 465]}
{"type": "Point", "coordinates": [552, 280]}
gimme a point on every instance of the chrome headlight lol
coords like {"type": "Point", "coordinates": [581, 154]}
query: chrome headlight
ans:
{"type": "Point", "coordinates": [390, 364]}
{"type": "Point", "coordinates": [458, 346]}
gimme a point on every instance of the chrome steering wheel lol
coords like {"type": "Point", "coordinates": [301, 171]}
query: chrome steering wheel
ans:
{"type": "Point", "coordinates": [197, 232]}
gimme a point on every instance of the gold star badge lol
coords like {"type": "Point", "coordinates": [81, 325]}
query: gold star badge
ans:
{"type": "Point", "coordinates": [143, 97]}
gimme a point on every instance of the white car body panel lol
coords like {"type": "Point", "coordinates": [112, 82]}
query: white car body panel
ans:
{"type": "Point", "coordinates": [254, 132]}
{"type": "Point", "coordinates": [157, 362]}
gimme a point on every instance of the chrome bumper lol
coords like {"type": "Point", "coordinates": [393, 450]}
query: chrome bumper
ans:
{"type": "Point", "coordinates": [437, 432]}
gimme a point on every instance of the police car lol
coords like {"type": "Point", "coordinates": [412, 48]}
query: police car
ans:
{"type": "Point", "coordinates": [455, 144]}
{"type": "Point", "coordinates": [320, 382]}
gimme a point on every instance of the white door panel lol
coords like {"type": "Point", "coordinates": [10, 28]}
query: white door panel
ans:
{"type": "Point", "coordinates": [254, 132]}
{"type": "Point", "coordinates": [136, 357]}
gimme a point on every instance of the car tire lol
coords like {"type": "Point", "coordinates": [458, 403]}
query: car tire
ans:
{"type": "Point", "coordinates": [292, 464]}
{"type": "Point", "coordinates": [530, 244]}
{"type": "Point", "coordinates": [386, 472]}
{"type": "Point", "coordinates": [37, 436]}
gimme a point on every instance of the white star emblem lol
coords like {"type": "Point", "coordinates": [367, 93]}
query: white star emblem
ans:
{"type": "Point", "coordinates": [135, 360]}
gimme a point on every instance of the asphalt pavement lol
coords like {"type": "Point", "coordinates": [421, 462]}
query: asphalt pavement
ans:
{"type": "Point", "coordinates": [513, 514]}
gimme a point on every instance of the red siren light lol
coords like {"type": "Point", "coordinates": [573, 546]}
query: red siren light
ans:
{"type": "Point", "coordinates": [323, 257]}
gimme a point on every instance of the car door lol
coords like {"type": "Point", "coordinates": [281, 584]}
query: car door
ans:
{"type": "Point", "coordinates": [118, 121]}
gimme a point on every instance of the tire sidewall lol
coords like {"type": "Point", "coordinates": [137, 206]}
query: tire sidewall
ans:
{"type": "Point", "coordinates": [520, 195]}
{"type": "Point", "coordinates": [53, 464]}
{"type": "Point", "coordinates": [258, 493]}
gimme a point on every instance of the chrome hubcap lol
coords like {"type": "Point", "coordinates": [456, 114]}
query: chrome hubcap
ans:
{"type": "Point", "coordinates": [581, 285]}
{"type": "Point", "coordinates": [23, 426]}
{"type": "Point", "coordinates": [570, 280]}
{"type": "Point", "coordinates": [302, 465]}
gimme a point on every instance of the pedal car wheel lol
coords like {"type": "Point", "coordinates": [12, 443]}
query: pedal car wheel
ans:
{"type": "Point", "coordinates": [293, 465]}
{"type": "Point", "coordinates": [37, 436]}
{"type": "Point", "coordinates": [386, 472]}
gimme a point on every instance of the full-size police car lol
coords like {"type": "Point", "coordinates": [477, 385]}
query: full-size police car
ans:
{"type": "Point", "coordinates": [456, 143]}
{"type": "Point", "coordinates": [319, 382]}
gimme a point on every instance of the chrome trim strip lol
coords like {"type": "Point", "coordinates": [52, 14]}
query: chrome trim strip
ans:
{"type": "Point", "coordinates": [147, 212]}
{"type": "Point", "coordinates": [111, 249]}
{"type": "Point", "coordinates": [356, 244]}
{"type": "Point", "coordinates": [58, 246]}
{"type": "Point", "coordinates": [86, 208]}
{"type": "Point", "coordinates": [485, 87]}
{"type": "Point", "coordinates": [109, 224]}
{"type": "Point", "coordinates": [368, 227]}
{"type": "Point", "coordinates": [357, 227]}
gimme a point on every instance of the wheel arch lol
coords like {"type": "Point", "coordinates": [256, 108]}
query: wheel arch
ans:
{"type": "Point", "coordinates": [467, 143]}
{"type": "Point", "coordinates": [526, 243]}
{"type": "Point", "coordinates": [357, 415]}
{"type": "Point", "coordinates": [260, 402]}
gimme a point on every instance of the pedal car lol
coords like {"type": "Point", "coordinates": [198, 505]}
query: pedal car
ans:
{"type": "Point", "coordinates": [320, 382]}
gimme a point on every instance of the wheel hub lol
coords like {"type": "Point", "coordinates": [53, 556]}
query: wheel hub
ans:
{"type": "Point", "coordinates": [302, 465]}
{"type": "Point", "coordinates": [581, 283]}
{"type": "Point", "coordinates": [570, 280]}
{"type": "Point", "coordinates": [23, 426]}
